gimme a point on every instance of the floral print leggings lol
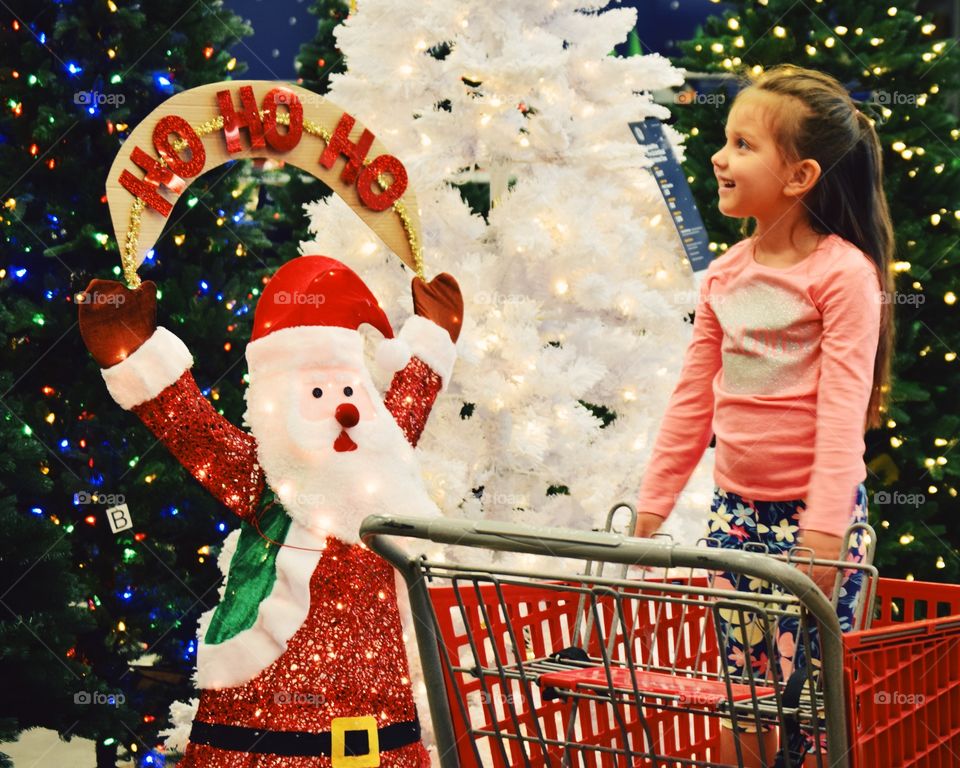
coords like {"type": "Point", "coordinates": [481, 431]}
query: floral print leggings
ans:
{"type": "Point", "coordinates": [773, 526]}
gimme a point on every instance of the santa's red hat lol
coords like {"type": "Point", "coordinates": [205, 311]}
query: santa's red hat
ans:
{"type": "Point", "coordinates": [309, 312]}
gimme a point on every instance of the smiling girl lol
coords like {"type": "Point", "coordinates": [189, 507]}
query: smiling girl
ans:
{"type": "Point", "coordinates": [789, 362]}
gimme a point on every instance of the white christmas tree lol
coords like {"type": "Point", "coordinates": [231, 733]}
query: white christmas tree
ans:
{"type": "Point", "coordinates": [577, 292]}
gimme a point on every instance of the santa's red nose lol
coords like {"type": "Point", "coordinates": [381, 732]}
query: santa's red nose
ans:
{"type": "Point", "coordinates": [347, 415]}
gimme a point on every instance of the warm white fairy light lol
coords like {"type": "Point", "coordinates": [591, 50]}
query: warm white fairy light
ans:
{"type": "Point", "coordinates": [549, 301]}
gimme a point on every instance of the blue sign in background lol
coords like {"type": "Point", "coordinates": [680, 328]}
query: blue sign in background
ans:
{"type": "Point", "coordinates": [676, 192]}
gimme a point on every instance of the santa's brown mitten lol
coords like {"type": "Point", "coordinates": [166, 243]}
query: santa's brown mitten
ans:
{"type": "Point", "coordinates": [439, 300]}
{"type": "Point", "coordinates": [114, 320]}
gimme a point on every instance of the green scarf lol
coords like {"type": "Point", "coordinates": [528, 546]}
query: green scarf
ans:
{"type": "Point", "coordinates": [253, 569]}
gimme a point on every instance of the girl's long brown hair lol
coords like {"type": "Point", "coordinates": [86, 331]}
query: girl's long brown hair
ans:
{"type": "Point", "coordinates": [824, 124]}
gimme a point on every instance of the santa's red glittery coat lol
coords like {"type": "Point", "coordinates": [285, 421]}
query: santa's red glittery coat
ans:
{"type": "Point", "coordinates": [348, 658]}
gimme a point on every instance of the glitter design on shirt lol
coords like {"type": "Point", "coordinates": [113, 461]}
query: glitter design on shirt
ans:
{"type": "Point", "coordinates": [767, 345]}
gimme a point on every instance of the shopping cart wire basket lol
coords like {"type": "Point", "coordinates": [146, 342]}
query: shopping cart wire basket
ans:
{"type": "Point", "coordinates": [555, 668]}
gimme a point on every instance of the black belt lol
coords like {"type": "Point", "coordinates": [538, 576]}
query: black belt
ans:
{"type": "Point", "coordinates": [356, 740]}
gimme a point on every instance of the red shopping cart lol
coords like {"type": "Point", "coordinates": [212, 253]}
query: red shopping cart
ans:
{"type": "Point", "coordinates": [528, 667]}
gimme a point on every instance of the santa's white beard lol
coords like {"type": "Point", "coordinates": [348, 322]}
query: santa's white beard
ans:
{"type": "Point", "coordinates": [325, 490]}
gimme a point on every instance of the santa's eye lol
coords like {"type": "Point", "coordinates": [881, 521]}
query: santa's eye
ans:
{"type": "Point", "coordinates": [348, 391]}
{"type": "Point", "coordinates": [317, 392]}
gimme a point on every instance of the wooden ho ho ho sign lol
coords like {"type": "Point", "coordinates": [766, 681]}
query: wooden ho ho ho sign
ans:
{"type": "Point", "coordinates": [202, 128]}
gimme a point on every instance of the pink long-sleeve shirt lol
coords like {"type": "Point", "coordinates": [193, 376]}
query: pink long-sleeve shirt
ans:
{"type": "Point", "coordinates": [780, 368]}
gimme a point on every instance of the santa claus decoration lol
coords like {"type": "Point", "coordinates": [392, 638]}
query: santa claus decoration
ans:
{"type": "Point", "coordinates": [304, 656]}
{"type": "Point", "coordinates": [302, 662]}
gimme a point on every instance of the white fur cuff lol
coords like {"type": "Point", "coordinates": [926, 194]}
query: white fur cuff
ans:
{"type": "Point", "coordinates": [156, 364]}
{"type": "Point", "coordinates": [430, 343]}
{"type": "Point", "coordinates": [326, 346]}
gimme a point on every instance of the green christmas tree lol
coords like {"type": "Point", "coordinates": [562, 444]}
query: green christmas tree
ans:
{"type": "Point", "coordinates": [319, 58]}
{"type": "Point", "coordinates": [898, 65]}
{"type": "Point", "coordinates": [43, 600]}
{"type": "Point", "coordinates": [120, 617]}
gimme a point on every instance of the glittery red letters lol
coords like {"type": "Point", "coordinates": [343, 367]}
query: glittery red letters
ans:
{"type": "Point", "coordinates": [365, 176]}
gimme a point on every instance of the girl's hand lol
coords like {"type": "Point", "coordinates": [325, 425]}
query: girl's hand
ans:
{"type": "Point", "coordinates": [825, 547]}
{"type": "Point", "coordinates": [647, 524]}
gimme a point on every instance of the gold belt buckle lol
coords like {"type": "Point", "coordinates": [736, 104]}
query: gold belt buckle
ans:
{"type": "Point", "coordinates": [338, 742]}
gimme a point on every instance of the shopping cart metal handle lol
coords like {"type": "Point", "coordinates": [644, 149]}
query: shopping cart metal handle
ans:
{"type": "Point", "coordinates": [616, 548]}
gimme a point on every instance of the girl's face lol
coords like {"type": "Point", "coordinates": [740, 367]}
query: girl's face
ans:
{"type": "Point", "coordinates": [749, 168]}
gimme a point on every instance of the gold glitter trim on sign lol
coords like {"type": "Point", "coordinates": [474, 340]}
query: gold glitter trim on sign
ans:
{"type": "Point", "coordinates": [411, 232]}
{"type": "Point", "coordinates": [128, 253]}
